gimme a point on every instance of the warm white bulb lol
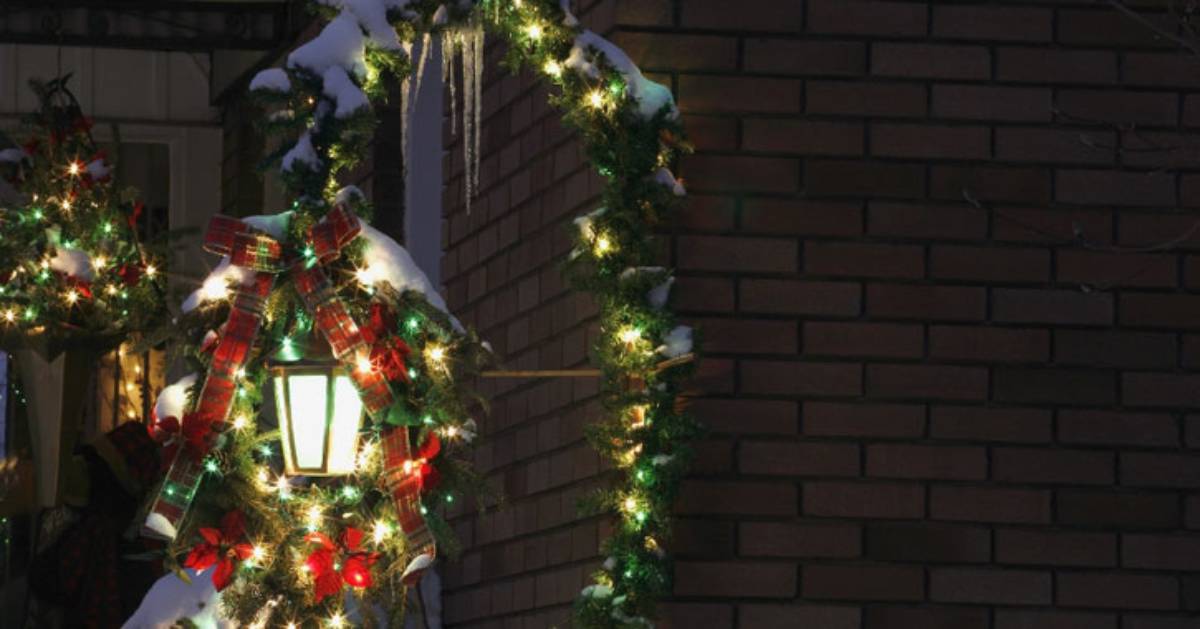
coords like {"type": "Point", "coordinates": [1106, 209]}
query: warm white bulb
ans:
{"type": "Point", "coordinates": [10, 315]}
{"type": "Point", "coordinates": [74, 168]}
{"type": "Point", "coordinates": [100, 262]}
{"type": "Point", "coordinates": [603, 245]}
{"type": "Point", "coordinates": [534, 31]}
{"type": "Point", "coordinates": [629, 336]}
{"type": "Point", "coordinates": [240, 422]}
{"type": "Point", "coordinates": [151, 270]}
{"type": "Point", "coordinates": [596, 99]}
{"type": "Point", "coordinates": [72, 296]}
{"type": "Point", "coordinates": [436, 353]}
{"type": "Point", "coordinates": [553, 68]}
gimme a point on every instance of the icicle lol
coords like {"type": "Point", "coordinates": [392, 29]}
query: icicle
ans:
{"type": "Point", "coordinates": [477, 50]}
{"type": "Point", "coordinates": [448, 77]}
{"type": "Point", "coordinates": [404, 103]}
{"type": "Point", "coordinates": [468, 71]}
{"type": "Point", "coordinates": [426, 52]}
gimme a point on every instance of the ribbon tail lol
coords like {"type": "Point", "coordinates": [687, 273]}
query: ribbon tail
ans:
{"type": "Point", "coordinates": [405, 490]}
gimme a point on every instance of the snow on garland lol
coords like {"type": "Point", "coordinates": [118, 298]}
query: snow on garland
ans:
{"type": "Point", "coordinates": [631, 131]}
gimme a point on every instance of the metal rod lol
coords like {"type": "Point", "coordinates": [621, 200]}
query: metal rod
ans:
{"type": "Point", "coordinates": [575, 373]}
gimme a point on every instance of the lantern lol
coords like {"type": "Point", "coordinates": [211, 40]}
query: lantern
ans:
{"type": "Point", "coordinates": [319, 415]}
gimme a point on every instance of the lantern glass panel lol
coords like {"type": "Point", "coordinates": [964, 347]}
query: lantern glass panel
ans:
{"type": "Point", "coordinates": [308, 405]}
{"type": "Point", "coordinates": [343, 432]}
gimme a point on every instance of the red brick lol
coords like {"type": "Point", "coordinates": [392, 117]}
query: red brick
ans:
{"type": "Point", "coordinates": [684, 615]}
{"type": "Point", "coordinates": [1117, 591]}
{"type": "Point", "coordinates": [866, 17]}
{"type": "Point", "coordinates": [1106, 270]}
{"type": "Point", "coordinates": [1160, 389]}
{"type": "Point", "coordinates": [864, 500]}
{"type": "Point", "coordinates": [939, 382]}
{"type": "Point", "coordinates": [1158, 622]}
{"type": "Point", "coordinates": [703, 94]}
{"type": "Point", "coordinates": [805, 58]}
{"type": "Point", "coordinates": [993, 23]}
{"type": "Point", "coordinates": [1004, 425]}
{"type": "Point", "coordinates": [749, 336]}
{"type": "Point", "coordinates": [921, 461]}
{"type": "Point", "coordinates": [1144, 108]}
{"type": "Point", "coordinates": [989, 504]}
{"type": "Point", "coordinates": [1029, 225]}
{"type": "Point", "coordinates": [1051, 306]}
{"type": "Point", "coordinates": [928, 543]}
{"type": "Point", "coordinates": [926, 618]}
{"type": "Point", "coordinates": [833, 419]}
{"type": "Point", "coordinates": [934, 142]}
{"type": "Point", "coordinates": [1105, 187]}
{"type": "Point", "coordinates": [1109, 28]}
{"type": "Point", "coordinates": [926, 302]}
{"type": "Point", "coordinates": [801, 217]}
{"type": "Point", "coordinates": [710, 214]}
{"type": "Point", "coordinates": [702, 294]}
{"type": "Point", "coordinates": [938, 61]}
{"type": "Point", "coordinates": [1033, 619]}
{"type": "Point", "coordinates": [1117, 428]}
{"type": "Point", "coordinates": [1055, 146]}
{"type": "Point", "coordinates": [829, 178]}
{"type": "Point", "coordinates": [783, 458]}
{"type": "Point", "coordinates": [987, 102]}
{"type": "Point", "coordinates": [741, 579]}
{"type": "Point", "coordinates": [1002, 587]}
{"type": "Point", "coordinates": [743, 254]}
{"type": "Point", "coordinates": [1055, 548]}
{"type": "Point", "coordinates": [712, 133]}
{"type": "Point", "coordinates": [850, 98]}
{"type": "Point", "coordinates": [749, 417]}
{"type": "Point", "coordinates": [679, 52]}
{"type": "Point", "coordinates": [1160, 552]}
{"type": "Point", "coordinates": [741, 498]}
{"type": "Point", "coordinates": [740, 174]}
{"type": "Point", "coordinates": [864, 260]}
{"type": "Point", "coordinates": [1104, 509]}
{"type": "Point", "coordinates": [787, 539]}
{"type": "Point", "coordinates": [988, 344]}
{"type": "Point", "coordinates": [1160, 469]}
{"type": "Point", "coordinates": [1160, 310]}
{"type": "Point", "coordinates": [863, 339]}
{"type": "Point", "coordinates": [796, 616]}
{"type": "Point", "coordinates": [1054, 386]}
{"type": "Point", "coordinates": [704, 538]}
{"type": "Point", "coordinates": [753, 15]}
{"type": "Point", "coordinates": [1045, 65]}
{"type": "Point", "coordinates": [1055, 467]}
{"type": "Point", "coordinates": [989, 264]}
{"type": "Point", "coordinates": [1152, 229]}
{"type": "Point", "coordinates": [801, 297]}
{"type": "Point", "coordinates": [989, 184]}
{"type": "Point", "coordinates": [866, 582]}
{"type": "Point", "coordinates": [801, 378]}
{"type": "Point", "coordinates": [925, 222]}
{"type": "Point", "coordinates": [1114, 348]}
{"type": "Point", "coordinates": [802, 137]}
{"type": "Point", "coordinates": [1158, 69]}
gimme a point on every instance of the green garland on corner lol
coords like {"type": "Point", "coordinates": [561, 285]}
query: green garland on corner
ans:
{"type": "Point", "coordinates": [631, 131]}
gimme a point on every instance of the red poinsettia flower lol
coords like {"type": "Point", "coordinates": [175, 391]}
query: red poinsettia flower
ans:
{"type": "Point", "coordinates": [388, 352]}
{"type": "Point", "coordinates": [355, 563]}
{"type": "Point", "coordinates": [198, 433]}
{"type": "Point", "coordinates": [131, 274]}
{"type": "Point", "coordinates": [426, 472]}
{"type": "Point", "coordinates": [223, 547]}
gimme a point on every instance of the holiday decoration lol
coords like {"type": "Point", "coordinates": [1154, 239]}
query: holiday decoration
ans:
{"type": "Point", "coordinates": [72, 269]}
{"type": "Point", "coordinates": [321, 270]}
{"type": "Point", "coordinates": [319, 417]}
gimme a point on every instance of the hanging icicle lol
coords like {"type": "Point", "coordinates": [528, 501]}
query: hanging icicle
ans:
{"type": "Point", "coordinates": [448, 48]}
{"type": "Point", "coordinates": [468, 43]}
{"type": "Point", "coordinates": [477, 112]}
{"type": "Point", "coordinates": [468, 116]}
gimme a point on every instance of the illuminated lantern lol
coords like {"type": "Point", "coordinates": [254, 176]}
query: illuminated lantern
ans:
{"type": "Point", "coordinates": [319, 413]}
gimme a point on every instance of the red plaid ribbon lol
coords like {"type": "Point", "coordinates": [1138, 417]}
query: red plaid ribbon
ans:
{"type": "Point", "coordinates": [405, 488]}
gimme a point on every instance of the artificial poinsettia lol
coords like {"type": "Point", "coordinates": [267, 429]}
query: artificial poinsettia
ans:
{"type": "Point", "coordinates": [388, 351]}
{"type": "Point", "coordinates": [224, 547]}
{"type": "Point", "coordinates": [355, 563]}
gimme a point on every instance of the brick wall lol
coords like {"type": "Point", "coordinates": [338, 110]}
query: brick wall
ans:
{"type": "Point", "coordinates": [923, 412]}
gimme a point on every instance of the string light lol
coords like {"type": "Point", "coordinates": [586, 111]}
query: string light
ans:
{"type": "Point", "coordinates": [368, 275]}
{"type": "Point", "coordinates": [534, 31]}
{"type": "Point", "coordinates": [258, 554]}
{"type": "Point", "coordinates": [553, 68]}
{"type": "Point", "coordinates": [151, 270]}
{"type": "Point", "coordinates": [10, 315]}
{"type": "Point", "coordinates": [381, 532]}
{"type": "Point", "coordinates": [603, 245]}
{"type": "Point", "coordinates": [630, 336]}
{"type": "Point", "coordinates": [363, 364]}
{"type": "Point", "coordinates": [74, 168]}
{"type": "Point", "coordinates": [66, 205]}
{"type": "Point", "coordinates": [281, 485]}
{"type": "Point", "coordinates": [72, 296]}
{"type": "Point", "coordinates": [637, 418]}
{"type": "Point", "coordinates": [336, 620]}
{"type": "Point", "coordinates": [313, 517]}
{"type": "Point", "coordinates": [100, 262]}
{"type": "Point", "coordinates": [240, 422]}
{"type": "Point", "coordinates": [595, 99]}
